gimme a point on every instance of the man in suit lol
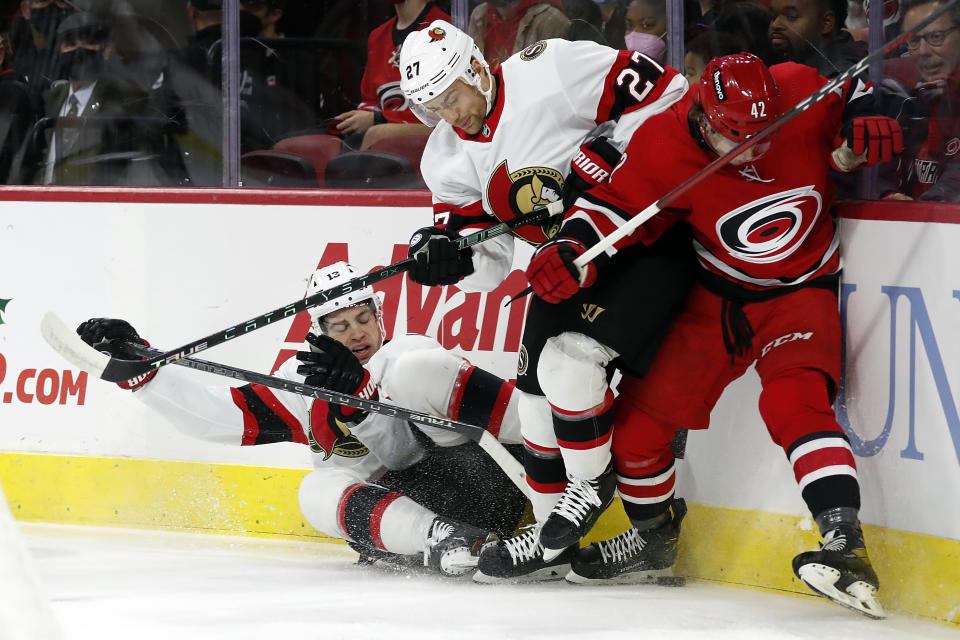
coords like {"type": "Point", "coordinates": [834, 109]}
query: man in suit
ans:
{"type": "Point", "coordinates": [92, 131]}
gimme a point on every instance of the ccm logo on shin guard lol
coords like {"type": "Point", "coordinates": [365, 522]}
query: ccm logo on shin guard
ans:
{"type": "Point", "coordinates": [790, 337]}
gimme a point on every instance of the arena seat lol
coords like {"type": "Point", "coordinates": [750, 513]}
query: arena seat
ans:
{"type": "Point", "coordinates": [275, 169]}
{"type": "Point", "coordinates": [409, 147]}
{"type": "Point", "coordinates": [371, 170]}
{"type": "Point", "coordinates": [317, 148]}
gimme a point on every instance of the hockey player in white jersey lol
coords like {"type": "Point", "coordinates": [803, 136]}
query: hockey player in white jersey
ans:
{"type": "Point", "coordinates": [549, 123]}
{"type": "Point", "coordinates": [398, 492]}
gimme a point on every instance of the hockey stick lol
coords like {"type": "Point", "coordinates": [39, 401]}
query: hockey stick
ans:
{"type": "Point", "coordinates": [487, 441]}
{"type": "Point", "coordinates": [832, 85]}
{"type": "Point", "coordinates": [66, 342]}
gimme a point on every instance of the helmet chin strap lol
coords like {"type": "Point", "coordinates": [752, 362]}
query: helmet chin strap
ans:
{"type": "Point", "coordinates": [476, 79]}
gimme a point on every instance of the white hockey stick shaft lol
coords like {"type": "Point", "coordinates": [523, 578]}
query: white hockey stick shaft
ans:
{"type": "Point", "coordinates": [832, 85]}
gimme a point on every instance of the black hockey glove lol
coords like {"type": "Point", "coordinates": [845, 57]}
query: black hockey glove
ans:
{"type": "Point", "coordinates": [439, 261]}
{"type": "Point", "coordinates": [331, 365]}
{"type": "Point", "coordinates": [108, 335]}
{"type": "Point", "coordinates": [592, 165]}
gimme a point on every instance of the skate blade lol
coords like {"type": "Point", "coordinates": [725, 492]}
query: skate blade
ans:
{"type": "Point", "coordinates": [457, 562]}
{"type": "Point", "coordinates": [547, 574]}
{"type": "Point", "coordinates": [859, 596]}
{"type": "Point", "coordinates": [658, 577]}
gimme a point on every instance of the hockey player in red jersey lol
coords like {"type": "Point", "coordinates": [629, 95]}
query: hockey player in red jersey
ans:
{"type": "Point", "coordinates": [768, 249]}
{"type": "Point", "coordinates": [549, 122]}
{"type": "Point", "coordinates": [397, 491]}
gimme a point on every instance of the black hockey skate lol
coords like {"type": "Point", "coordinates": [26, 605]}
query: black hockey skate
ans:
{"type": "Point", "coordinates": [841, 571]}
{"type": "Point", "coordinates": [633, 557]}
{"type": "Point", "coordinates": [576, 511]}
{"type": "Point", "coordinates": [452, 548]}
{"type": "Point", "coordinates": [520, 559]}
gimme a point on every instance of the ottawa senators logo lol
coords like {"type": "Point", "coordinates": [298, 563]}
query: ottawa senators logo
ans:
{"type": "Point", "coordinates": [329, 436]}
{"type": "Point", "coordinates": [533, 51]}
{"type": "Point", "coordinates": [771, 228]}
{"type": "Point", "coordinates": [437, 34]}
{"type": "Point", "coordinates": [523, 361]}
{"type": "Point", "coordinates": [517, 193]}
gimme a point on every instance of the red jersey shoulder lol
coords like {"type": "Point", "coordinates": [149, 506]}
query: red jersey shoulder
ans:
{"type": "Point", "coordinates": [796, 81]}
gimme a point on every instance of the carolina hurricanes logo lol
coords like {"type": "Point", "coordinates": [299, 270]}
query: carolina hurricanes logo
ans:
{"type": "Point", "coordinates": [517, 193]}
{"type": "Point", "coordinates": [771, 228]}
{"type": "Point", "coordinates": [391, 97]}
{"type": "Point", "coordinates": [437, 34]}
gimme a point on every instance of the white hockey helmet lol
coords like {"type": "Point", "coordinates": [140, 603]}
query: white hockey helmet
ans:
{"type": "Point", "coordinates": [432, 59]}
{"type": "Point", "coordinates": [332, 276]}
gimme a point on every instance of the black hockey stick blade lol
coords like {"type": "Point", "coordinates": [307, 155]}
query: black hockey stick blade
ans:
{"type": "Point", "coordinates": [510, 465]}
{"type": "Point", "coordinates": [58, 334]}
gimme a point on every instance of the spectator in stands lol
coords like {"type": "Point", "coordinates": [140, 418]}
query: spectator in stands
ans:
{"type": "Point", "coordinates": [613, 18]}
{"type": "Point", "coordinates": [500, 28]}
{"type": "Point", "coordinates": [927, 84]}
{"type": "Point", "coordinates": [646, 28]}
{"type": "Point", "coordinates": [811, 32]}
{"type": "Point", "coordinates": [98, 127]}
{"type": "Point", "coordinates": [586, 21]}
{"type": "Point", "coordinates": [748, 22]}
{"type": "Point", "coordinates": [383, 112]}
{"type": "Point", "coordinates": [36, 54]}
{"type": "Point", "coordinates": [16, 112]}
{"type": "Point", "coordinates": [268, 12]}
{"type": "Point", "coordinates": [858, 21]}
{"type": "Point", "coordinates": [703, 48]}
{"type": "Point", "coordinates": [207, 21]}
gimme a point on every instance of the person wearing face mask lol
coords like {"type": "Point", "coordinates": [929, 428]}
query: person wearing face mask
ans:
{"type": "Point", "coordinates": [93, 113]}
{"type": "Point", "coordinates": [36, 56]}
{"type": "Point", "coordinates": [646, 28]}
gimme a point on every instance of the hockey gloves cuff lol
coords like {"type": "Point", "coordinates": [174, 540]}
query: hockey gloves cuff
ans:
{"type": "Point", "coordinates": [866, 141]}
{"type": "Point", "coordinates": [438, 259]}
{"type": "Point", "coordinates": [332, 366]}
{"type": "Point", "coordinates": [592, 165]}
{"type": "Point", "coordinates": [552, 273]}
{"type": "Point", "coordinates": [107, 335]}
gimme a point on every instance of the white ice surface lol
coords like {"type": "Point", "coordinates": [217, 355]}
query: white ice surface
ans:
{"type": "Point", "coordinates": [118, 583]}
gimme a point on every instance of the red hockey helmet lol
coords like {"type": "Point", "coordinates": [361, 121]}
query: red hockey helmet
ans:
{"type": "Point", "coordinates": [738, 95]}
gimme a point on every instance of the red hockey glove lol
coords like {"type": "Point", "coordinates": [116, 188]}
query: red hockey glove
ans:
{"type": "Point", "coordinates": [552, 273]}
{"type": "Point", "coordinates": [332, 366]}
{"type": "Point", "coordinates": [870, 140]}
{"type": "Point", "coordinates": [592, 165]}
{"type": "Point", "coordinates": [108, 335]}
